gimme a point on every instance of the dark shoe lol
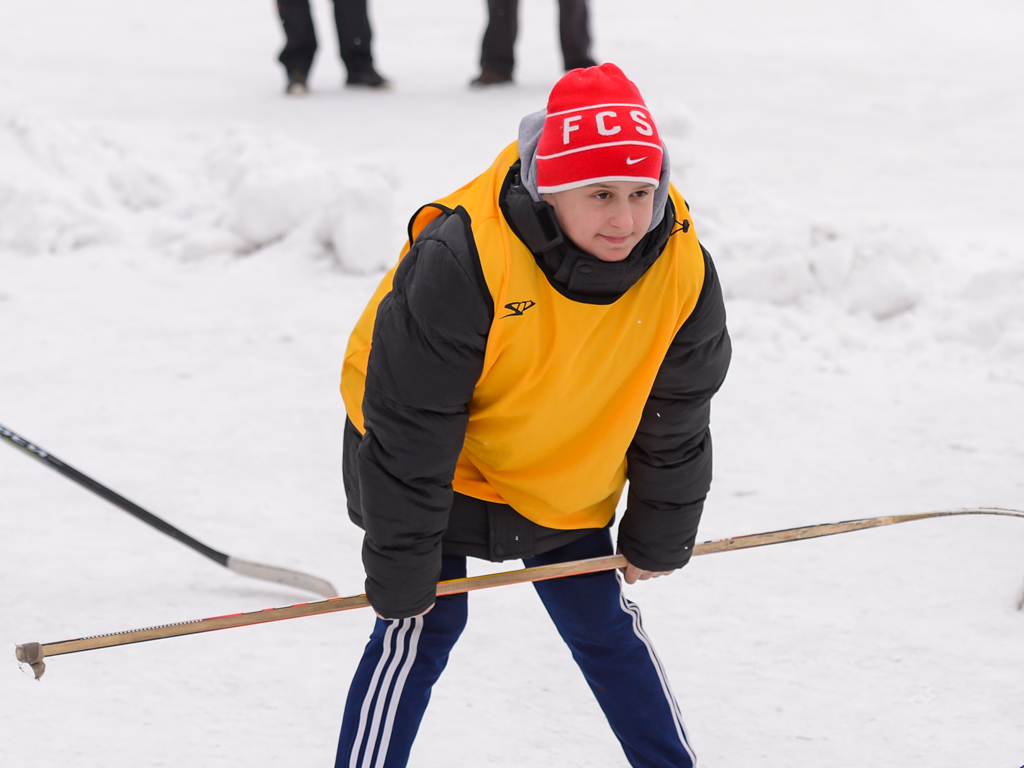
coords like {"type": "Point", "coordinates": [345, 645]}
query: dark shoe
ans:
{"type": "Point", "coordinates": [490, 77]}
{"type": "Point", "coordinates": [367, 78]}
{"type": "Point", "coordinates": [296, 83]}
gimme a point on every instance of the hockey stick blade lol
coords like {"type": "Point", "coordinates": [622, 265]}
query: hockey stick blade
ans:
{"type": "Point", "coordinates": [34, 653]}
{"type": "Point", "coordinates": [248, 568]}
{"type": "Point", "coordinates": [285, 576]}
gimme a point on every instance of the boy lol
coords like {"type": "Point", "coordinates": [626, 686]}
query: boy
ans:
{"type": "Point", "coordinates": [553, 329]}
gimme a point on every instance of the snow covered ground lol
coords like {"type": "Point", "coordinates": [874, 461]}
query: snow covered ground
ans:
{"type": "Point", "coordinates": [183, 252]}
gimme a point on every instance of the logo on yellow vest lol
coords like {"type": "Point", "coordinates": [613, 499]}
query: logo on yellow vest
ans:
{"type": "Point", "coordinates": [518, 307]}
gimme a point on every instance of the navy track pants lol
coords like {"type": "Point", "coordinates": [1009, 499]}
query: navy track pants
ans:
{"type": "Point", "coordinates": [405, 657]}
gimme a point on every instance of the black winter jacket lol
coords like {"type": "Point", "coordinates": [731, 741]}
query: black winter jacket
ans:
{"type": "Point", "coordinates": [427, 354]}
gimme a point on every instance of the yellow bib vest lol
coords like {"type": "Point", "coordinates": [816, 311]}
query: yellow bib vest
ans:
{"type": "Point", "coordinates": [564, 382]}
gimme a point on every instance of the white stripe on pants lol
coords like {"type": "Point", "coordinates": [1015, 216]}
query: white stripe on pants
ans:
{"type": "Point", "coordinates": [380, 722]}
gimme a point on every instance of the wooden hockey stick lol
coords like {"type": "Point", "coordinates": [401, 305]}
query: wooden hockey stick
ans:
{"type": "Point", "coordinates": [34, 653]}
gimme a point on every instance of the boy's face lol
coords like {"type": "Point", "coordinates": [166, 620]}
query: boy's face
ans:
{"type": "Point", "coordinates": [605, 219]}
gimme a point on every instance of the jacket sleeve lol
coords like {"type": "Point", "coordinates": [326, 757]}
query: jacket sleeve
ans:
{"type": "Point", "coordinates": [669, 460]}
{"type": "Point", "coordinates": [425, 359]}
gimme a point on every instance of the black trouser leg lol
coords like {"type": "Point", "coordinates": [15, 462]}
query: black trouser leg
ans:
{"type": "Point", "coordinates": [574, 33]}
{"type": "Point", "coordinates": [500, 37]}
{"type": "Point", "coordinates": [300, 37]}
{"type": "Point", "coordinates": [353, 34]}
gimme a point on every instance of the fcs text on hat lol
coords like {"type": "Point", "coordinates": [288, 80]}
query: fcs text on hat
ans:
{"type": "Point", "coordinates": [641, 120]}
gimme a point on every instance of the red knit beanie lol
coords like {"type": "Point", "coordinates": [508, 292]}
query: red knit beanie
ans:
{"type": "Point", "coordinates": [597, 129]}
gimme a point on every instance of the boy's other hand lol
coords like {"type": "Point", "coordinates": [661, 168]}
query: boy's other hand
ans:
{"type": "Point", "coordinates": [632, 574]}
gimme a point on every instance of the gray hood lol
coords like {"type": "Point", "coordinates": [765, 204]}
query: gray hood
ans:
{"type": "Point", "coordinates": [530, 128]}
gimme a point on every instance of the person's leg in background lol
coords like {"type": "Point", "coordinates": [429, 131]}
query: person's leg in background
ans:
{"type": "Point", "coordinates": [353, 25]}
{"type": "Point", "coordinates": [497, 56]}
{"type": "Point", "coordinates": [604, 632]}
{"type": "Point", "coordinates": [300, 42]}
{"type": "Point", "coordinates": [391, 687]}
{"type": "Point", "coordinates": [574, 34]}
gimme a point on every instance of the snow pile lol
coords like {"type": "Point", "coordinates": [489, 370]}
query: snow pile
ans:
{"type": "Point", "coordinates": [48, 201]}
{"type": "Point", "coordinates": [777, 256]}
{"type": "Point", "coordinates": [770, 254]}
{"type": "Point", "coordinates": [67, 185]}
{"type": "Point", "coordinates": [988, 313]}
{"type": "Point", "coordinates": [876, 274]}
{"type": "Point", "coordinates": [881, 274]}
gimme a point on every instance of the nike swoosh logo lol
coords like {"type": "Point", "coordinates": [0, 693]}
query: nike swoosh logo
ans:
{"type": "Point", "coordinates": [631, 161]}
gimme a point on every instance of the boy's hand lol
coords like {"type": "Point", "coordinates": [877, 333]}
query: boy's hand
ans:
{"type": "Point", "coordinates": [632, 574]}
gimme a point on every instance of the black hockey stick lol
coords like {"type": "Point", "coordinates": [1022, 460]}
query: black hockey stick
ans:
{"type": "Point", "coordinates": [244, 567]}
